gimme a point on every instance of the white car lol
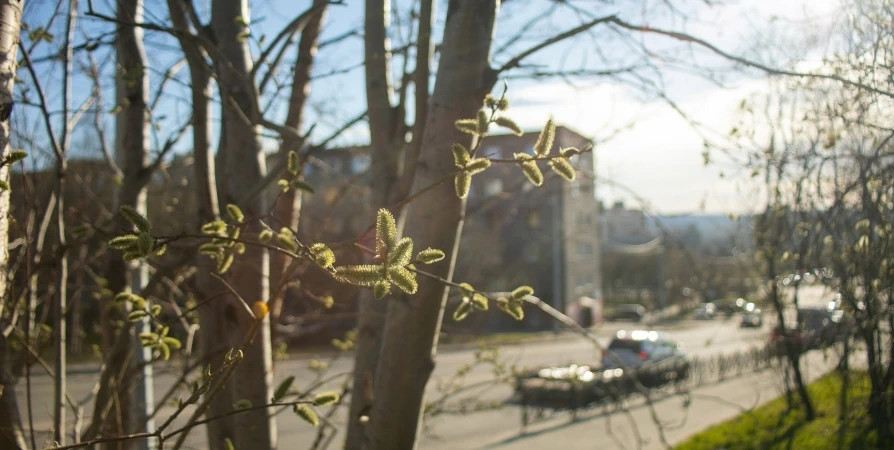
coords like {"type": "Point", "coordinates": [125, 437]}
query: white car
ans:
{"type": "Point", "coordinates": [705, 311]}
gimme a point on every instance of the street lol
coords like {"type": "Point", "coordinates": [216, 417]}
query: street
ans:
{"type": "Point", "coordinates": [501, 428]}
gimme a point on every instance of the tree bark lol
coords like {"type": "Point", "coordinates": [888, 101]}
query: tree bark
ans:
{"type": "Point", "coordinates": [387, 143]}
{"type": "Point", "coordinates": [241, 159]}
{"type": "Point", "coordinates": [413, 322]}
{"type": "Point", "coordinates": [60, 306]}
{"type": "Point", "coordinates": [288, 206]}
{"type": "Point", "coordinates": [132, 393]}
{"type": "Point", "coordinates": [212, 314]}
{"type": "Point", "coordinates": [383, 167]}
{"type": "Point", "coordinates": [11, 434]}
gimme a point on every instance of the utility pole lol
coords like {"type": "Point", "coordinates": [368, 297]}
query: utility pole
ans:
{"type": "Point", "coordinates": [662, 289]}
{"type": "Point", "coordinates": [558, 266]}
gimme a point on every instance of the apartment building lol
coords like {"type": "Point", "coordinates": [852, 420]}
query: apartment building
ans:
{"type": "Point", "coordinates": [514, 234]}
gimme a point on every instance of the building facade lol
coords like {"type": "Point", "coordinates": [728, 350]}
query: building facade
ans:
{"type": "Point", "coordinates": [514, 234]}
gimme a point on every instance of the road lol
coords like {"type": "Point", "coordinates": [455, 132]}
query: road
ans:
{"type": "Point", "coordinates": [494, 429]}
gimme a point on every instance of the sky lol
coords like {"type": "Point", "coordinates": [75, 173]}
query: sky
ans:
{"type": "Point", "coordinates": [659, 157]}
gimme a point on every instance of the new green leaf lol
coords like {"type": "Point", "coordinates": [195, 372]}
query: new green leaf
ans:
{"type": "Point", "coordinates": [462, 311]}
{"type": "Point", "coordinates": [401, 253]}
{"type": "Point", "coordinates": [509, 124]}
{"type": "Point", "coordinates": [562, 167]}
{"type": "Point", "coordinates": [309, 416]}
{"type": "Point", "coordinates": [403, 279]}
{"type": "Point", "coordinates": [326, 398]}
{"type": "Point", "coordinates": [386, 231]}
{"type": "Point", "coordinates": [469, 126]}
{"type": "Point", "coordinates": [280, 392]}
{"type": "Point", "coordinates": [522, 292]}
{"type": "Point", "coordinates": [460, 155]}
{"type": "Point", "coordinates": [380, 290]}
{"type": "Point", "coordinates": [545, 140]}
{"type": "Point", "coordinates": [235, 213]}
{"type": "Point", "coordinates": [361, 275]}
{"type": "Point", "coordinates": [430, 255]}
{"type": "Point", "coordinates": [293, 163]}
{"type": "Point", "coordinates": [135, 218]}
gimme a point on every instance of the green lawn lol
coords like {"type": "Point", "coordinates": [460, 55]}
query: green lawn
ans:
{"type": "Point", "coordinates": [771, 427]}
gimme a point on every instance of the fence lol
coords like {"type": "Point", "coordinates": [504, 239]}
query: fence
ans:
{"type": "Point", "coordinates": [580, 389]}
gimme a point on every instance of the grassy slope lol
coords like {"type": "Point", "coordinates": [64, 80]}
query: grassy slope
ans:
{"type": "Point", "coordinates": [770, 427]}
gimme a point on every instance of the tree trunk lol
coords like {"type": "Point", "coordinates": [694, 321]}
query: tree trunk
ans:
{"type": "Point", "coordinates": [60, 306]}
{"type": "Point", "coordinates": [413, 322]}
{"type": "Point", "coordinates": [288, 206]}
{"type": "Point", "coordinates": [384, 154]}
{"type": "Point", "coordinates": [11, 435]}
{"type": "Point", "coordinates": [241, 159]}
{"type": "Point", "coordinates": [212, 314]}
{"type": "Point", "coordinates": [123, 405]}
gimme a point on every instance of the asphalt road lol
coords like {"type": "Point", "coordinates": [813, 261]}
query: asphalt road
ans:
{"type": "Point", "coordinates": [479, 430]}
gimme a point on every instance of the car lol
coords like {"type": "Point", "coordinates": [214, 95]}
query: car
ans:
{"type": "Point", "coordinates": [753, 318]}
{"type": "Point", "coordinates": [798, 340]}
{"type": "Point", "coordinates": [726, 308]}
{"type": "Point", "coordinates": [632, 312]}
{"type": "Point", "coordinates": [705, 311]}
{"type": "Point", "coordinates": [822, 325]}
{"type": "Point", "coordinates": [635, 349]}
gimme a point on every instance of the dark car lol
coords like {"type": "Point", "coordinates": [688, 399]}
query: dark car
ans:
{"type": "Point", "coordinates": [752, 319]}
{"type": "Point", "coordinates": [632, 312]}
{"type": "Point", "coordinates": [799, 341]}
{"type": "Point", "coordinates": [822, 326]}
{"type": "Point", "coordinates": [725, 308]}
{"type": "Point", "coordinates": [634, 349]}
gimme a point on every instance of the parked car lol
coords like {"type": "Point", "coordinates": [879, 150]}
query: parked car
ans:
{"type": "Point", "coordinates": [722, 307]}
{"type": "Point", "coordinates": [822, 325]}
{"type": "Point", "coordinates": [632, 312]}
{"type": "Point", "coordinates": [638, 348]}
{"type": "Point", "coordinates": [752, 319]}
{"type": "Point", "coordinates": [799, 341]}
{"type": "Point", "coordinates": [705, 311]}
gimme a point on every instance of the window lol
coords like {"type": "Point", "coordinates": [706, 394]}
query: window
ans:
{"type": "Point", "coordinates": [492, 151]}
{"type": "Point", "coordinates": [532, 252]}
{"type": "Point", "coordinates": [530, 150]}
{"type": "Point", "coordinates": [360, 164]}
{"type": "Point", "coordinates": [493, 187]}
{"type": "Point", "coordinates": [532, 219]}
{"type": "Point", "coordinates": [584, 219]}
{"type": "Point", "coordinates": [335, 165]}
{"type": "Point", "coordinates": [584, 249]}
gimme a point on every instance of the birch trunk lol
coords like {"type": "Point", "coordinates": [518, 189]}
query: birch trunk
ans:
{"type": "Point", "coordinates": [60, 341]}
{"type": "Point", "coordinates": [241, 161]}
{"type": "Point", "coordinates": [123, 405]}
{"type": "Point", "coordinates": [11, 434]}
{"type": "Point", "coordinates": [413, 322]}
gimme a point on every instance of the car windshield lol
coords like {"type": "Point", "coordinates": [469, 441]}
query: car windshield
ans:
{"type": "Point", "coordinates": [626, 344]}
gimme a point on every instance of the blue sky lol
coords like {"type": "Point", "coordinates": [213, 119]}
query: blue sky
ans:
{"type": "Point", "coordinates": [659, 158]}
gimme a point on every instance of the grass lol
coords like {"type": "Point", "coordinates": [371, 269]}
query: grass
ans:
{"type": "Point", "coordinates": [772, 427]}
